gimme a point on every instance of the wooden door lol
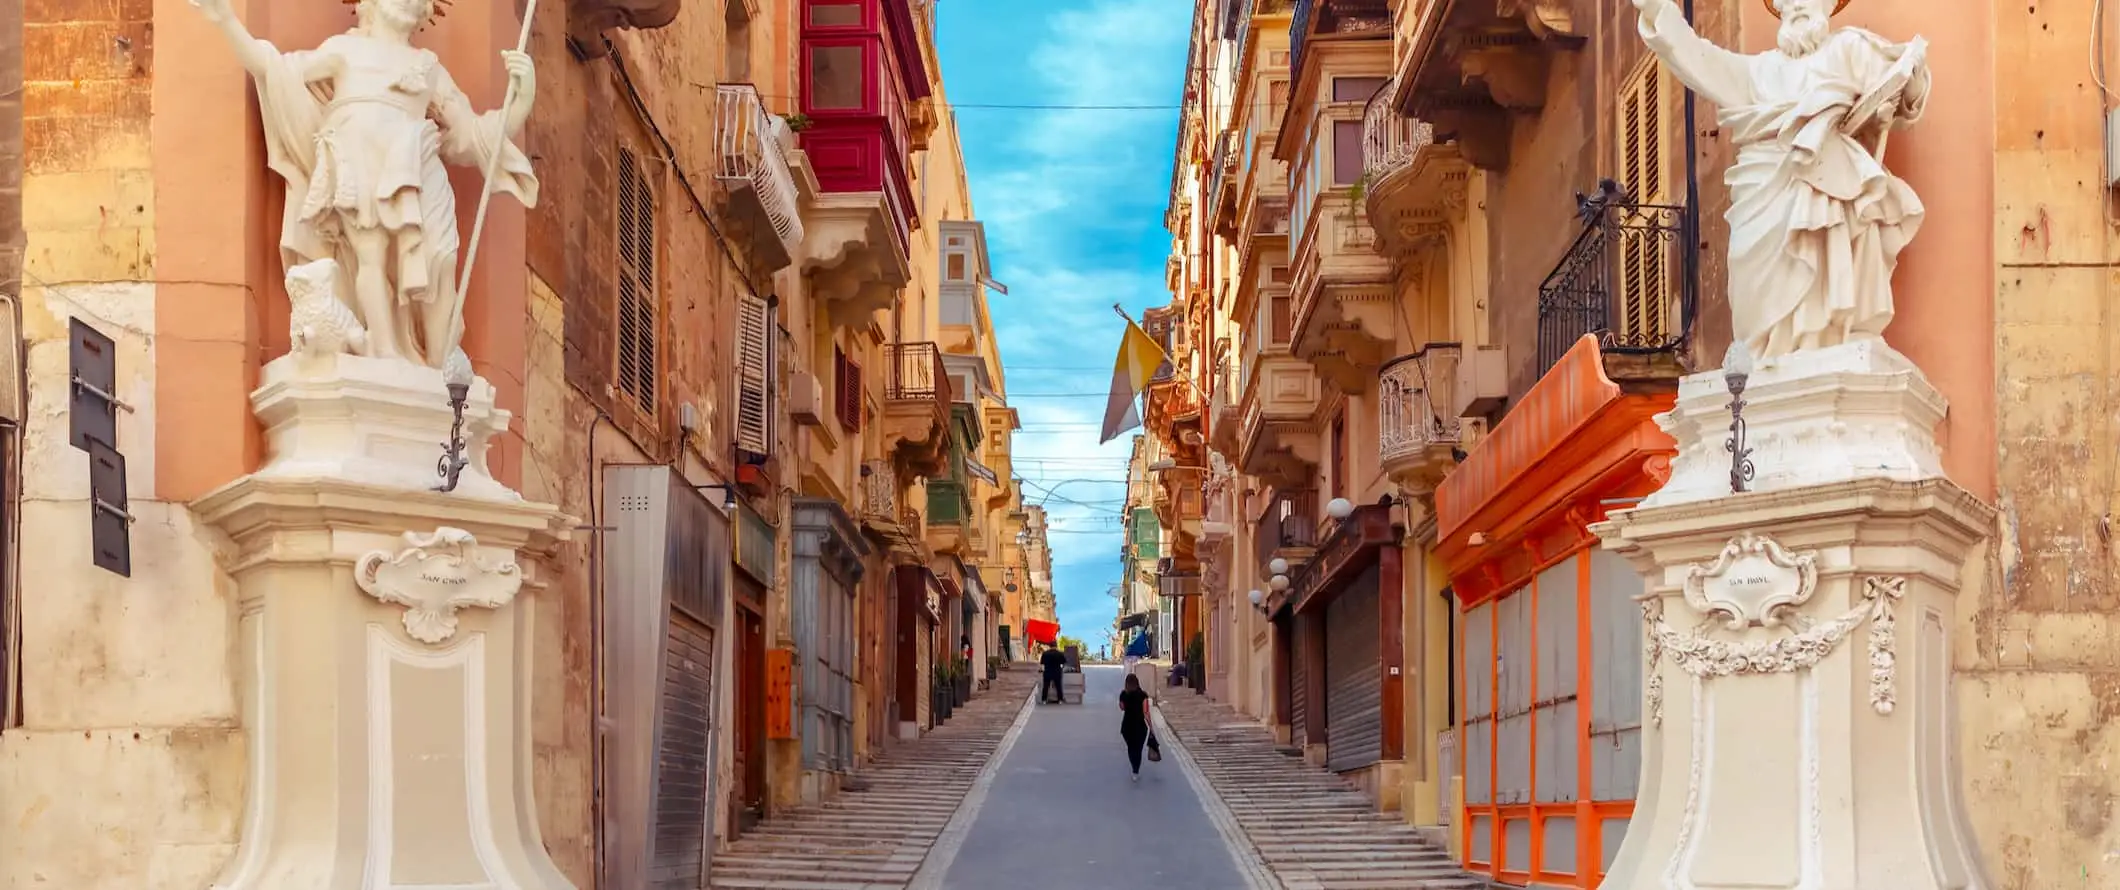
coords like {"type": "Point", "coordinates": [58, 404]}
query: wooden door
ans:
{"type": "Point", "coordinates": [751, 711]}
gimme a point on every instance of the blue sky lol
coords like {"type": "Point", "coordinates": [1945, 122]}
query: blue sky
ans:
{"type": "Point", "coordinates": [1073, 200]}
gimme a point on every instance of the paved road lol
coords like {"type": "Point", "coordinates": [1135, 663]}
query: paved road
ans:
{"type": "Point", "coordinates": [1061, 812]}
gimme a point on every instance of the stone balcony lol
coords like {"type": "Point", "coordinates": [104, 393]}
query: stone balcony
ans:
{"type": "Point", "coordinates": [1467, 67]}
{"type": "Point", "coordinates": [1344, 315]}
{"type": "Point", "coordinates": [855, 248]}
{"type": "Point", "coordinates": [916, 408]}
{"type": "Point", "coordinates": [1416, 186]}
{"type": "Point", "coordinates": [1418, 432]}
{"type": "Point", "coordinates": [587, 20]}
{"type": "Point", "coordinates": [1277, 440]}
{"type": "Point", "coordinates": [881, 510]}
{"type": "Point", "coordinates": [758, 186]}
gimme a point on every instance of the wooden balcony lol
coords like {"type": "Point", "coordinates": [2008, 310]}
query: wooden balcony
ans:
{"type": "Point", "coordinates": [916, 408]}
{"type": "Point", "coordinates": [949, 515]}
{"type": "Point", "coordinates": [1418, 433]}
{"type": "Point", "coordinates": [757, 184]}
{"type": "Point", "coordinates": [1466, 65]}
{"type": "Point", "coordinates": [1416, 186]}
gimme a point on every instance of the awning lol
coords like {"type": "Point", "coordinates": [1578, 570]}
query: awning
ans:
{"type": "Point", "coordinates": [1138, 619]}
{"type": "Point", "coordinates": [1041, 631]}
{"type": "Point", "coordinates": [980, 471]}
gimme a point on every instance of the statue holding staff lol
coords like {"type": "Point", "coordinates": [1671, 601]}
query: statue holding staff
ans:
{"type": "Point", "coordinates": [359, 128]}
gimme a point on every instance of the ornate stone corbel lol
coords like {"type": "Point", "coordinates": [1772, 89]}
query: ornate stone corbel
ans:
{"type": "Point", "coordinates": [433, 576]}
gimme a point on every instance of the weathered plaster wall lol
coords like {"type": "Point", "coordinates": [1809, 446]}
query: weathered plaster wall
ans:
{"type": "Point", "coordinates": [569, 334]}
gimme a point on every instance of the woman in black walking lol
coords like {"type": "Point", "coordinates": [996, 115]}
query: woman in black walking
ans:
{"type": "Point", "coordinates": [1133, 724]}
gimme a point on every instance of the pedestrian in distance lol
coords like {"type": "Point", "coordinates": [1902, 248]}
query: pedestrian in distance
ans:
{"type": "Point", "coordinates": [1053, 662]}
{"type": "Point", "coordinates": [1133, 725]}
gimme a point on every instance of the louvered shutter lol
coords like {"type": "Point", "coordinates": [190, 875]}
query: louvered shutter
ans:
{"type": "Point", "coordinates": [1642, 315]}
{"type": "Point", "coordinates": [850, 398]}
{"type": "Point", "coordinates": [637, 300]}
{"type": "Point", "coordinates": [753, 324]}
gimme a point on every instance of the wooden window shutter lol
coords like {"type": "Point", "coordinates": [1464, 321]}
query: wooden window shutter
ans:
{"type": "Point", "coordinates": [846, 387]}
{"type": "Point", "coordinates": [754, 324]}
{"type": "Point", "coordinates": [1644, 307]}
{"type": "Point", "coordinates": [638, 302]}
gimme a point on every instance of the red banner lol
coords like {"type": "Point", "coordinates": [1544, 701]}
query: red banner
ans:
{"type": "Point", "coordinates": [1041, 632]}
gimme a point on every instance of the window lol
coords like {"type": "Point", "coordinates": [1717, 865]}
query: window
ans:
{"type": "Point", "coordinates": [639, 306]}
{"type": "Point", "coordinates": [1646, 303]}
{"type": "Point", "coordinates": [835, 15]}
{"type": "Point", "coordinates": [846, 383]}
{"type": "Point", "coordinates": [1276, 96]}
{"type": "Point", "coordinates": [1282, 323]}
{"type": "Point", "coordinates": [1339, 455]}
{"type": "Point", "coordinates": [736, 47]}
{"type": "Point", "coordinates": [836, 78]}
{"type": "Point", "coordinates": [1355, 89]}
{"type": "Point", "coordinates": [754, 324]}
{"type": "Point", "coordinates": [956, 262]}
{"type": "Point", "coordinates": [1346, 152]}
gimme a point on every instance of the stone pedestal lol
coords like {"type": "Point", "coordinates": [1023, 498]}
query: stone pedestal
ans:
{"type": "Point", "coordinates": [384, 643]}
{"type": "Point", "coordinates": [1798, 716]}
{"type": "Point", "coordinates": [1858, 410]}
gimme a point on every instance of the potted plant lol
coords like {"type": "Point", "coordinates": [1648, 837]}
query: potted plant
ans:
{"type": "Point", "coordinates": [798, 122]}
{"type": "Point", "coordinates": [961, 680]}
{"type": "Point", "coordinates": [939, 692]}
{"type": "Point", "coordinates": [994, 666]}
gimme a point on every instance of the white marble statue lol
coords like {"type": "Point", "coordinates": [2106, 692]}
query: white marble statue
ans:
{"type": "Point", "coordinates": [359, 128]}
{"type": "Point", "coordinates": [1816, 221]}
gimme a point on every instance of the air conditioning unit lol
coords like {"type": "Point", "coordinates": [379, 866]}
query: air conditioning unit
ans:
{"type": "Point", "coordinates": [806, 400]}
{"type": "Point", "coordinates": [1482, 382]}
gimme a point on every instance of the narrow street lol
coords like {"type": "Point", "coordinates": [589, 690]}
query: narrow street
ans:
{"type": "Point", "coordinates": [1061, 811]}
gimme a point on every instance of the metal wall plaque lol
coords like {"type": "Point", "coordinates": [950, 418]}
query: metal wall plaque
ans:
{"type": "Point", "coordinates": [110, 530]}
{"type": "Point", "coordinates": [92, 401]}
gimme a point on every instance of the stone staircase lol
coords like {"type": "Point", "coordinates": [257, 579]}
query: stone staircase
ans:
{"type": "Point", "coordinates": [1313, 830]}
{"type": "Point", "coordinates": [876, 838]}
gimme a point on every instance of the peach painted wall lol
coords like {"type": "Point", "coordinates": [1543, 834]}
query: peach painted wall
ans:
{"type": "Point", "coordinates": [217, 230]}
{"type": "Point", "coordinates": [1945, 285]}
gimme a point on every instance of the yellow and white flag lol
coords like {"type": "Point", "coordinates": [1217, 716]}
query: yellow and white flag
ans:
{"type": "Point", "coordinates": [1139, 357]}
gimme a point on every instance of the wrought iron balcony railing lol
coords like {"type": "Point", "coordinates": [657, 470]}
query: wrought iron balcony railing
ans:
{"type": "Point", "coordinates": [917, 374]}
{"type": "Point", "coordinates": [879, 491]}
{"type": "Point", "coordinates": [1625, 279]}
{"type": "Point", "coordinates": [1333, 16]}
{"type": "Point", "coordinates": [753, 147]}
{"type": "Point", "coordinates": [1290, 522]}
{"type": "Point", "coordinates": [1389, 139]}
{"type": "Point", "coordinates": [1413, 412]}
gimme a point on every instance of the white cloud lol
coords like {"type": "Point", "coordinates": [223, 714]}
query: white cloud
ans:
{"type": "Point", "coordinates": [1075, 223]}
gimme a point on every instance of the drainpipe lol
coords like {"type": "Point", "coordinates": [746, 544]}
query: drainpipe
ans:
{"type": "Point", "coordinates": [1689, 300]}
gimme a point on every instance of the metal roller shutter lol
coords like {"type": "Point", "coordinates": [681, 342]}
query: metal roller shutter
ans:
{"type": "Point", "coordinates": [1354, 679]}
{"type": "Point", "coordinates": [683, 758]}
{"type": "Point", "coordinates": [1298, 697]}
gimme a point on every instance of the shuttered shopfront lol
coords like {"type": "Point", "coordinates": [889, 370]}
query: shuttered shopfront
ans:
{"type": "Point", "coordinates": [1553, 719]}
{"type": "Point", "coordinates": [1549, 666]}
{"type": "Point", "coordinates": [828, 566]}
{"type": "Point", "coordinates": [1346, 651]}
{"type": "Point", "coordinates": [1354, 678]}
{"type": "Point", "coordinates": [684, 757]}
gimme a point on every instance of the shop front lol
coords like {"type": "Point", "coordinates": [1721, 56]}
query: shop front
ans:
{"type": "Point", "coordinates": [755, 548]}
{"type": "Point", "coordinates": [1347, 660]}
{"type": "Point", "coordinates": [1549, 631]}
{"type": "Point", "coordinates": [829, 562]}
{"type": "Point", "coordinates": [919, 619]}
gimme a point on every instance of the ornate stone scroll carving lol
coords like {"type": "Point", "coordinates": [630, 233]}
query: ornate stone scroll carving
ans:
{"type": "Point", "coordinates": [1883, 593]}
{"type": "Point", "coordinates": [1755, 581]}
{"type": "Point", "coordinates": [435, 575]}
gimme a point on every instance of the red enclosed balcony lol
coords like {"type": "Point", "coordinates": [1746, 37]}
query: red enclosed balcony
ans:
{"type": "Point", "coordinates": [865, 85]}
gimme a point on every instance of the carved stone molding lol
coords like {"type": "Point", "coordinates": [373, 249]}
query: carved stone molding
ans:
{"type": "Point", "coordinates": [433, 576]}
{"type": "Point", "coordinates": [1753, 582]}
{"type": "Point", "coordinates": [1882, 593]}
